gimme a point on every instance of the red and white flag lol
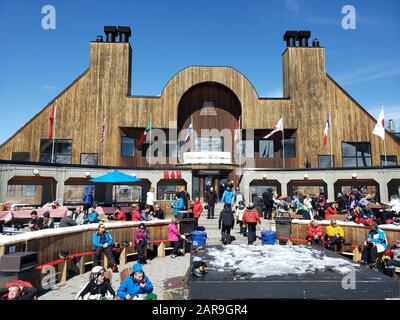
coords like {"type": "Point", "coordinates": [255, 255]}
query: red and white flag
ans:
{"type": "Point", "coordinates": [326, 130]}
{"type": "Point", "coordinates": [52, 118]}
{"type": "Point", "coordinates": [379, 129]}
{"type": "Point", "coordinates": [278, 127]}
{"type": "Point", "coordinates": [103, 129]}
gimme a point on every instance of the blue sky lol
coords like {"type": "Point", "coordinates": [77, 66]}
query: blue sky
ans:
{"type": "Point", "coordinates": [37, 64]}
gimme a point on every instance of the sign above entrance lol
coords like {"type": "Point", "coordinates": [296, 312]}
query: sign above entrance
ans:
{"type": "Point", "coordinates": [209, 172]}
{"type": "Point", "coordinates": [208, 109]}
{"type": "Point", "coordinates": [205, 157]}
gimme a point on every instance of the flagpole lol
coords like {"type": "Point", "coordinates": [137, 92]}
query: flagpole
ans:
{"type": "Point", "coordinates": [54, 133]}
{"type": "Point", "coordinates": [283, 143]}
{"type": "Point", "coordinates": [330, 140]}
{"type": "Point", "coordinates": [151, 126]}
{"type": "Point", "coordinates": [384, 140]}
{"type": "Point", "coordinates": [191, 134]}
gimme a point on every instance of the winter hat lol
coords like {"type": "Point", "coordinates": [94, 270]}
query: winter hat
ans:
{"type": "Point", "coordinates": [46, 214]}
{"type": "Point", "coordinates": [250, 205]}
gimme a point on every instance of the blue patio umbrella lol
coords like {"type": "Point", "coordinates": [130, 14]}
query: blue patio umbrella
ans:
{"type": "Point", "coordinates": [115, 177]}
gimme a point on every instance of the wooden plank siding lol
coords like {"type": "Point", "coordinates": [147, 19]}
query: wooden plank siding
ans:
{"type": "Point", "coordinates": [309, 94]}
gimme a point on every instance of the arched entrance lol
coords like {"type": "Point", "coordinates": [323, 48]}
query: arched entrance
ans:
{"type": "Point", "coordinates": [214, 111]}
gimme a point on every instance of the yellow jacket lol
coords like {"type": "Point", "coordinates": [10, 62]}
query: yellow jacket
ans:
{"type": "Point", "coordinates": [330, 231]}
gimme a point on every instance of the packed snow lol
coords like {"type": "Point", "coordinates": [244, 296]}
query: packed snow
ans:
{"type": "Point", "coordinates": [275, 260]}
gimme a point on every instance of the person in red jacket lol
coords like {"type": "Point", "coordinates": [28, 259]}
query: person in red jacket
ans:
{"type": "Point", "coordinates": [330, 211]}
{"type": "Point", "coordinates": [197, 211]}
{"type": "Point", "coordinates": [136, 214]}
{"type": "Point", "coordinates": [250, 219]}
{"type": "Point", "coordinates": [314, 233]}
{"type": "Point", "coordinates": [120, 214]}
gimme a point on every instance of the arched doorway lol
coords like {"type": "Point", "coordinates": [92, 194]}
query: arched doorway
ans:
{"type": "Point", "coordinates": [214, 111]}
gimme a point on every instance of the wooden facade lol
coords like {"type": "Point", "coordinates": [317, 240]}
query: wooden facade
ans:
{"type": "Point", "coordinates": [103, 91]}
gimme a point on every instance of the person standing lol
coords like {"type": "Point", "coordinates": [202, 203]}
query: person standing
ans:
{"type": "Point", "coordinates": [150, 199]}
{"type": "Point", "coordinates": [226, 223]}
{"type": "Point", "coordinates": [197, 211]}
{"type": "Point", "coordinates": [88, 198]}
{"type": "Point", "coordinates": [211, 199]}
{"type": "Point", "coordinates": [140, 239]}
{"type": "Point", "coordinates": [177, 205]}
{"type": "Point", "coordinates": [268, 203]}
{"type": "Point", "coordinates": [102, 242]}
{"type": "Point", "coordinates": [239, 217]}
{"type": "Point", "coordinates": [227, 197]}
{"type": "Point", "coordinates": [185, 196]}
{"type": "Point", "coordinates": [239, 197]}
{"type": "Point", "coordinates": [174, 236]}
{"type": "Point", "coordinates": [250, 219]}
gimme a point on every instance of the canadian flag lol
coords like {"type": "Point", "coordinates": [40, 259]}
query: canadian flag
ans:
{"type": "Point", "coordinates": [278, 127]}
{"type": "Point", "coordinates": [379, 129]}
{"type": "Point", "coordinates": [52, 117]}
{"type": "Point", "coordinates": [327, 126]}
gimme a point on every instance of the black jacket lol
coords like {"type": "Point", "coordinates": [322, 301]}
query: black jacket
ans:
{"type": "Point", "coordinates": [267, 199]}
{"type": "Point", "coordinates": [226, 218]}
{"type": "Point", "coordinates": [29, 294]}
{"type": "Point", "coordinates": [160, 214]}
{"type": "Point", "coordinates": [92, 288]}
{"type": "Point", "coordinates": [211, 198]}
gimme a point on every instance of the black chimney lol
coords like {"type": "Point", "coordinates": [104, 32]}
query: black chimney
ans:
{"type": "Point", "coordinates": [99, 38]}
{"type": "Point", "coordinates": [124, 33]}
{"type": "Point", "coordinates": [302, 38]}
{"type": "Point", "coordinates": [315, 43]}
{"type": "Point", "coordinates": [290, 38]}
{"type": "Point", "coordinates": [111, 32]}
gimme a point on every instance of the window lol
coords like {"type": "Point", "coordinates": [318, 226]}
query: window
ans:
{"type": "Point", "coordinates": [127, 147]}
{"type": "Point", "coordinates": [209, 144]}
{"type": "Point", "coordinates": [73, 194]}
{"type": "Point", "coordinates": [20, 156]}
{"type": "Point", "coordinates": [127, 193]}
{"type": "Point", "coordinates": [290, 148]}
{"type": "Point", "coordinates": [26, 194]}
{"type": "Point", "coordinates": [62, 150]}
{"type": "Point", "coordinates": [390, 161]}
{"type": "Point", "coordinates": [267, 149]}
{"type": "Point", "coordinates": [356, 154]}
{"type": "Point", "coordinates": [89, 159]}
{"type": "Point", "coordinates": [324, 161]}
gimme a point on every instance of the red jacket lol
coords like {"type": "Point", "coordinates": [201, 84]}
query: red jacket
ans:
{"type": "Point", "coordinates": [330, 211]}
{"type": "Point", "coordinates": [136, 215]}
{"type": "Point", "coordinates": [251, 216]}
{"type": "Point", "coordinates": [122, 215]}
{"type": "Point", "coordinates": [197, 209]}
{"type": "Point", "coordinates": [312, 231]}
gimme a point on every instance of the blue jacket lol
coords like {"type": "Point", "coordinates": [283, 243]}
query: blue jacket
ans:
{"type": "Point", "coordinates": [378, 237]}
{"type": "Point", "coordinates": [96, 240]}
{"type": "Point", "coordinates": [92, 218]}
{"type": "Point", "coordinates": [227, 197]}
{"type": "Point", "coordinates": [132, 287]}
{"type": "Point", "coordinates": [178, 206]}
{"type": "Point", "coordinates": [144, 217]}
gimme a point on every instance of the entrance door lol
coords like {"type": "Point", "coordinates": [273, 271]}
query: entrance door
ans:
{"type": "Point", "coordinates": [222, 184]}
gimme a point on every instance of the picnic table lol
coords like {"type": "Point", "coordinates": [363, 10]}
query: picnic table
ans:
{"type": "Point", "coordinates": [8, 216]}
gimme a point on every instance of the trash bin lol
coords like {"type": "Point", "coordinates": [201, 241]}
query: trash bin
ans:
{"type": "Point", "coordinates": [18, 266]}
{"type": "Point", "coordinates": [283, 228]}
{"type": "Point", "coordinates": [199, 238]}
{"type": "Point", "coordinates": [186, 225]}
{"type": "Point", "coordinates": [188, 243]}
{"type": "Point", "coordinates": [268, 237]}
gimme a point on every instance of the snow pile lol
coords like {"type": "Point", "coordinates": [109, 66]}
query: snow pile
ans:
{"type": "Point", "coordinates": [275, 260]}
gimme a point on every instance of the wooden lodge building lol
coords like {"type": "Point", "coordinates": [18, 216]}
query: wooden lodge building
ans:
{"type": "Point", "coordinates": [207, 97]}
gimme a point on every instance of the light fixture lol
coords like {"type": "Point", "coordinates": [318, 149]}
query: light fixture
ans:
{"type": "Point", "coordinates": [134, 174]}
{"type": "Point", "coordinates": [87, 174]}
{"type": "Point", "coordinates": [36, 172]}
{"type": "Point", "coordinates": [264, 176]}
{"type": "Point", "coordinates": [305, 176]}
{"type": "Point", "coordinates": [354, 175]}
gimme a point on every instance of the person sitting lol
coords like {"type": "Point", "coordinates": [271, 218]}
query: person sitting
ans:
{"type": "Point", "coordinates": [197, 211]}
{"type": "Point", "coordinates": [177, 205]}
{"type": "Point", "coordinates": [394, 262]}
{"type": "Point", "coordinates": [119, 214]}
{"type": "Point", "coordinates": [331, 210]}
{"type": "Point", "coordinates": [98, 288]}
{"type": "Point", "coordinates": [295, 202]}
{"type": "Point", "coordinates": [140, 239]}
{"type": "Point", "coordinates": [36, 223]}
{"type": "Point", "coordinates": [314, 233]}
{"type": "Point", "coordinates": [137, 283]}
{"type": "Point", "coordinates": [239, 217]}
{"type": "Point", "coordinates": [342, 203]}
{"type": "Point", "coordinates": [48, 222]}
{"type": "Point", "coordinates": [67, 221]}
{"type": "Point", "coordinates": [174, 236]}
{"type": "Point", "coordinates": [145, 214]}
{"type": "Point", "coordinates": [136, 214]}
{"type": "Point", "coordinates": [102, 242]}
{"type": "Point", "coordinates": [334, 235]}
{"type": "Point", "coordinates": [92, 216]}
{"type": "Point", "coordinates": [226, 222]}
{"type": "Point", "coordinates": [321, 206]}
{"type": "Point", "coordinates": [303, 210]}
{"type": "Point", "coordinates": [159, 213]}
{"type": "Point", "coordinates": [250, 219]}
{"type": "Point", "coordinates": [17, 292]}
{"type": "Point", "coordinates": [375, 244]}
{"type": "Point", "coordinates": [367, 216]}
{"type": "Point", "coordinates": [79, 215]}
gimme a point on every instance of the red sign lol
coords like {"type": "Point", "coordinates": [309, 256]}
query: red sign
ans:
{"type": "Point", "coordinates": [178, 175]}
{"type": "Point", "coordinates": [166, 175]}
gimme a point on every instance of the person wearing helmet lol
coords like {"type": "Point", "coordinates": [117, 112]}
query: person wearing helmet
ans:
{"type": "Point", "coordinates": [199, 269]}
{"type": "Point", "coordinates": [137, 283]}
{"type": "Point", "coordinates": [98, 288]}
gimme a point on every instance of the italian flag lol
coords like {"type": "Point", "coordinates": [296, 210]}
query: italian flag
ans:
{"type": "Point", "coordinates": [143, 137]}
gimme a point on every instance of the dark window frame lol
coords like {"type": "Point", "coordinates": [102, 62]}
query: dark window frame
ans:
{"type": "Point", "coordinates": [382, 159]}
{"type": "Point", "coordinates": [326, 155]}
{"type": "Point", "coordinates": [286, 155]}
{"type": "Point", "coordinates": [56, 141]}
{"type": "Point", "coordinates": [134, 146]}
{"type": "Point", "coordinates": [97, 158]}
{"type": "Point", "coordinates": [356, 157]}
{"type": "Point", "coordinates": [21, 152]}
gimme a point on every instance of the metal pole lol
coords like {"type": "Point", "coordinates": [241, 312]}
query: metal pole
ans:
{"type": "Point", "coordinates": [151, 125]}
{"type": "Point", "coordinates": [384, 140]}
{"type": "Point", "coordinates": [54, 133]}
{"type": "Point", "coordinates": [330, 140]}
{"type": "Point", "coordinates": [283, 142]}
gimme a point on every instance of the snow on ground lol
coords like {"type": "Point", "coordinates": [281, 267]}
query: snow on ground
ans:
{"type": "Point", "coordinates": [275, 260]}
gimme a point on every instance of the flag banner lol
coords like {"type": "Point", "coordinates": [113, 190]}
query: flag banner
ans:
{"type": "Point", "coordinates": [379, 129]}
{"type": "Point", "coordinates": [143, 137]}
{"type": "Point", "coordinates": [52, 117]}
{"type": "Point", "coordinates": [326, 130]}
{"type": "Point", "coordinates": [278, 127]}
{"type": "Point", "coordinates": [237, 139]}
{"type": "Point", "coordinates": [187, 138]}
{"type": "Point", "coordinates": [103, 129]}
